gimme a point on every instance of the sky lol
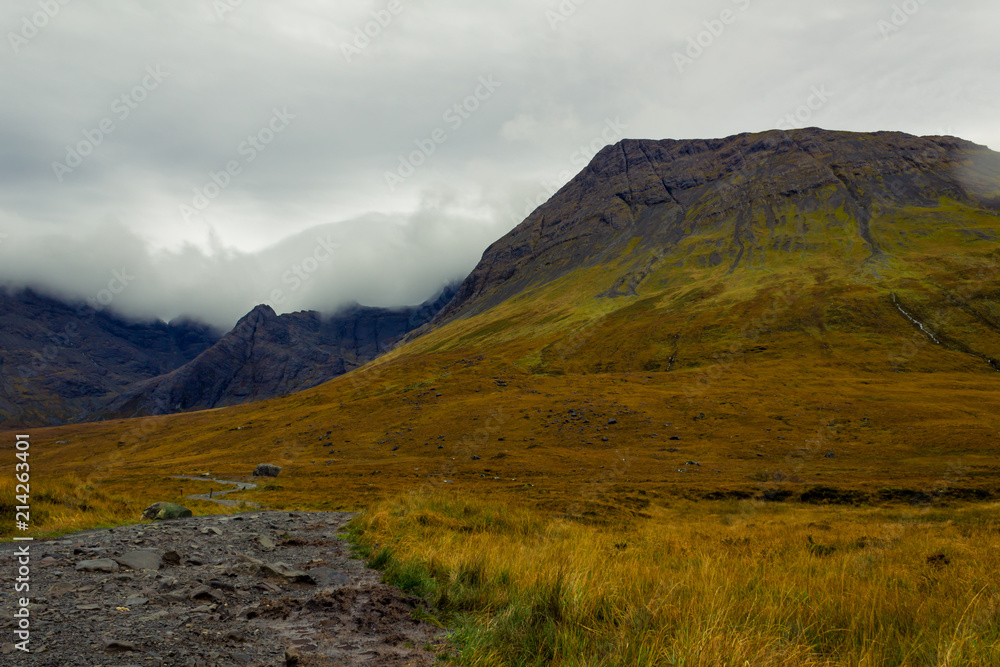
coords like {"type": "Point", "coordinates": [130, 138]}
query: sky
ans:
{"type": "Point", "coordinates": [199, 157]}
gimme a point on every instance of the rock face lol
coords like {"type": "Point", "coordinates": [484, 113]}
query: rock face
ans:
{"type": "Point", "coordinates": [726, 201]}
{"type": "Point", "coordinates": [222, 601]}
{"type": "Point", "coordinates": [267, 470]}
{"type": "Point", "coordinates": [268, 355]}
{"type": "Point", "coordinates": [62, 363]}
{"type": "Point", "coordinates": [165, 511]}
{"type": "Point", "coordinates": [59, 361]}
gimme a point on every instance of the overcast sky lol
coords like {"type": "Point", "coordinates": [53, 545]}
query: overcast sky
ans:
{"type": "Point", "coordinates": [224, 153]}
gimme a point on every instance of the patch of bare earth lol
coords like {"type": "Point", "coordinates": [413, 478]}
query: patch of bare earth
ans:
{"type": "Point", "coordinates": [258, 589]}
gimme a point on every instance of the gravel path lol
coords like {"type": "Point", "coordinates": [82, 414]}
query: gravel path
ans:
{"type": "Point", "coordinates": [256, 589]}
{"type": "Point", "coordinates": [216, 496]}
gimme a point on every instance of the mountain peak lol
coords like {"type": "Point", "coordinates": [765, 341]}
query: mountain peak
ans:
{"type": "Point", "coordinates": [728, 202]}
{"type": "Point", "coordinates": [262, 311]}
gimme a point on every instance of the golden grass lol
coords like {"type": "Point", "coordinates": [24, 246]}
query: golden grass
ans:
{"type": "Point", "coordinates": [733, 583]}
{"type": "Point", "coordinates": [754, 427]}
{"type": "Point", "coordinates": [69, 503]}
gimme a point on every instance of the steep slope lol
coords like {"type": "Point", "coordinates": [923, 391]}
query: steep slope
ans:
{"type": "Point", "coordinates": [669, 252]}
{"type": "Point", "coordinates": [267, 355]}
{"type": "Point", "coordinates": [732, 202]}
{"type": "Point", "coordinates": [58, 361]}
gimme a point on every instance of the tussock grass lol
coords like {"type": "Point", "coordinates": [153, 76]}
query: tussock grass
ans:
{"type": "Point", "coordinates": [69, 503]}
{"type": "Point", "coordinates": [716, 583]}
{"type": "Point", "coordinates": [64, 505]}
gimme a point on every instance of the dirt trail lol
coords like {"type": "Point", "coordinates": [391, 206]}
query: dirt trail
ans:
{"type": "Point", "coordinates": [245, 589]}
{"type": "Point", "coordinates": [216, 496]}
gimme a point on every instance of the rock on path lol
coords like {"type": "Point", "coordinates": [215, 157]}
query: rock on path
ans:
{"type": "Point", "coordinates": [269, 584]}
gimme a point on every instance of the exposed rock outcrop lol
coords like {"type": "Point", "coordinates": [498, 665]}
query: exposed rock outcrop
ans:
{"type": "Point", "coordinates": [268, 355]}
{"type": "Point", "coordinates": [730, 192]}
{"type": "Point", "coordinates": [61, 361]}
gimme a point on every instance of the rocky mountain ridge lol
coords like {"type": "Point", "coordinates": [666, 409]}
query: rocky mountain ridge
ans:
{"type": "Point", "coordinates": [268, 355]}
{"type": "Point", "coordinates": [59, 361]}
{"type": "Point", "coordinates": [63, 363]}
{"type": "Point", "coordinates": [733, 196]}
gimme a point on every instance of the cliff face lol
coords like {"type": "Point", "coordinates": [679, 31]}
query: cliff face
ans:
{"type": "Point", "coordinates": [59, 361]}
{"type": "Point", "coordinates": [268, 355]}
{"type": "Point", "coordinates": [738, 194]}
{"type": "Point", "coordinates": [62, 363]}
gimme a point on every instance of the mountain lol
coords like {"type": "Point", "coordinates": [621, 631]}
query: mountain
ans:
{"type": "Point", "coordinates": [268, 355]}
{"type": "Point", "coordinates": [810, 316]}
{"type": "Point", "coordinates": [667, 250]}
{"type": "Point", "coordinates": [60, 361]}
{"type": "Point", "coordinates": [805, 314]}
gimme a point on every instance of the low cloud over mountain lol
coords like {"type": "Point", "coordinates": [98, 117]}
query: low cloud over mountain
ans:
{"type": "Point", "coordinates": [378, 260]}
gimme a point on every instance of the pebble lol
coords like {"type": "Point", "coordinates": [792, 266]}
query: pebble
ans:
{"type": "Point", "coordinates": [99, 565]}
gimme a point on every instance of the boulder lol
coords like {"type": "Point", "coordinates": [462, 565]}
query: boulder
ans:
{"type": "Point", "coordinates": [115, 646]}
{"type": "Point", "coordinates": [206, 593]}
{"type": "Point", "coordinates": [327, 577]}
{"type": "Point", "coordinates": [267, 470]}
{"type": "Point", "coordinates": [141, 560]}
{"type": "Point", "coordinates": [164, 511]}
{"type": "Point", "coordinates": [286, 572]}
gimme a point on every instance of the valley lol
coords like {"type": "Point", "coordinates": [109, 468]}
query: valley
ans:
{"type": "Point", "coordinates": [733, 399]}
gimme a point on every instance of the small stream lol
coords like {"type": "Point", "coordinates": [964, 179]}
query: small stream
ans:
{"type": "Point", "coordinates": [915, 320]}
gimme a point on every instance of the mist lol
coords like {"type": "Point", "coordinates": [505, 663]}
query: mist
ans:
{"type": "Point", "coordinates": [375, 260]}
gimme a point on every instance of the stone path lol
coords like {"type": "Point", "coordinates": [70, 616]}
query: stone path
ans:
{"type": "Point", "coordinates": [216, 496]}
{"type": "Point", "coordinates": [257, 589]}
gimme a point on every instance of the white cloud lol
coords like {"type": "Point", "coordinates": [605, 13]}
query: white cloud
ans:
{"type": "Point", "coordinates": [521, 127]}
